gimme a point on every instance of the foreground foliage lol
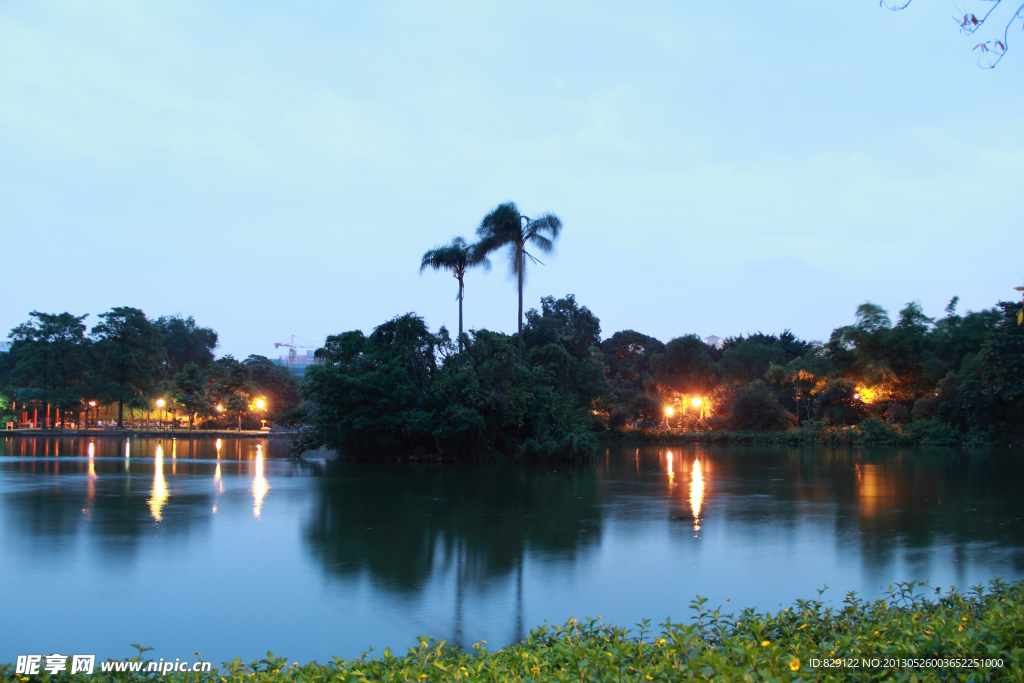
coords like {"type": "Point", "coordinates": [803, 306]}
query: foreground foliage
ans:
{"type": "Point", "coordinates": [984, 624]}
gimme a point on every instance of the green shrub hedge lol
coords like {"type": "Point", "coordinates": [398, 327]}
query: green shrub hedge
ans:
{"type": "Point", "coordinates": [916, 634]}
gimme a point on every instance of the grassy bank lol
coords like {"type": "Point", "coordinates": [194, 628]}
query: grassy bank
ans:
{"type": "Point", "coordinates": [982, 630]}
{"type": "Point", "coordinates": [872, 431]}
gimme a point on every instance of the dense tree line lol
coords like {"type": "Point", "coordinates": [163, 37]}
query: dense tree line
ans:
{"type": "Point", "coordinates": [404, 390]}
{"type": "Point", "coordinates": [59, 371]}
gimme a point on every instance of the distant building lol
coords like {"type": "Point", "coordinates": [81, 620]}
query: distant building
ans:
{"type": "Point", "coordinates": [296, 362]}
{"type": "Point", "coordinates": [5, 347]}
{"type": "Point", "coordinates": [714, 341]}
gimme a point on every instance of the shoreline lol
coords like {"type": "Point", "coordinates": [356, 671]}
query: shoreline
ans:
{"type": "Point", "coordinates": [151, 433]}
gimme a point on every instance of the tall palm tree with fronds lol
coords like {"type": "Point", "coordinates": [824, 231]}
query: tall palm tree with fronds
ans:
{"type": "Point", "coordinates": [506, 227]}
{"type": "Point", "coordinates": [457, 257]}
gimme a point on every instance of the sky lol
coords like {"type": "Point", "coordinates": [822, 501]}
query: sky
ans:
{"type": "Point", "coordinates": [719, 168]}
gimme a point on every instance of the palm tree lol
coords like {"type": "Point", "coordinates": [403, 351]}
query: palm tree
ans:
{"type": "Point", "coordinates": [458, 257]}
{"type": "Point", "coordinates": [505, 226]}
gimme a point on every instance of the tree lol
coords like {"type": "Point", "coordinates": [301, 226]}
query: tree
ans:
{"type": "Point", "coordinates": [185, 342]}
{"type": "Point", "coordinates": [130, 355]}
{"type": "Point", "coordinates": [564, 322]}
{"type": "Point", "coordinates": [457, 257]}
{"type": "Point", "coordinates": [50, 354]}
{"type": "Point", "coordinates": [747, 359]}
{"type": "Point", "coordinates": [990, 52]}
{"type": "Point", "coordinates": [278, 387]}
{"type": "Point", "coordinates": [756, 408]}
{"type": "Point", "coordinates": [232, 386]}
{"type": "Point", "coordinates": [506, 227]}
{"type": "Point", "coordinates": [685, 367]}
{"type": "Point", "coordinates": [190, 392]}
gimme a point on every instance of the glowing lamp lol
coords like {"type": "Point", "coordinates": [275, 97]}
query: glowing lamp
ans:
{"type": "Point", "coordinates": [260, 403]}
{"type": "Point", "coordinates": [220, 409]}
{"type": "Point", "coordinates": [159, 403]}
{"type": "Point", "coordinates": [856, 397]}
{"type": "Point", "coordinates": [92, 404]}
{"type": "Point", "coordinates": [669, 412]}
{"type": "Point", "coordinates": [696, 402]}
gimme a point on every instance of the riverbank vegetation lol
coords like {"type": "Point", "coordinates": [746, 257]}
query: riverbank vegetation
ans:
{"type": "Point", "coordinates": [916, 634]}
{"type": "Point", "coordinates": [130, 369]}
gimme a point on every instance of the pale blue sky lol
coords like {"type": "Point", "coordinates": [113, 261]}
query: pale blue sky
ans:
{"type": "Point", "coordinates": [720, 168]}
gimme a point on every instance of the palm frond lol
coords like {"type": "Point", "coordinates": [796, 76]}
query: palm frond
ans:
{"type": "Point", "coordinates": [542, 243]}
{"type": "Point", "coordinates": [452, 256]}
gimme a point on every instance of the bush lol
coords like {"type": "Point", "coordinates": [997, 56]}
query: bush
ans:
{"type": "Point", "coordinates": [984, 628]}
{"type": "Point", "coordinates": [756, 408]}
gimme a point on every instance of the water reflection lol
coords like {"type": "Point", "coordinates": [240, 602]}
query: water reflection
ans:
{"type": "Point", "coordinates": [259, 484]}
{"type": "Point", "coordinates": [159, 495]}
{"type": "Point", "coordinates": [454, 549]}
{"type": "Point", "coordinates": [696, 493]}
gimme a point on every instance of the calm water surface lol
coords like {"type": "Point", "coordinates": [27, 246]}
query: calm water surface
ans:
{"type": "Point", "coordinates": [234, 550]}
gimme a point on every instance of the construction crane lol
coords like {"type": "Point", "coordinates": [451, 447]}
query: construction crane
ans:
{"type": "Point", "coordinates": [290, 344]}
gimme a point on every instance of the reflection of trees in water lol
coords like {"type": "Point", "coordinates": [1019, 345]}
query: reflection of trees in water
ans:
{"type": "Point", "coordinates": [398, 522]}
{"type": "Point", "coordinates": [64, 497]}
{"type": "Point", "coordinates": [885, 500]}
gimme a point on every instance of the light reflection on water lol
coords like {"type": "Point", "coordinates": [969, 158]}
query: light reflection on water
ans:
{"type": "Point", "coordinates": [159, 497]}
{"type": "Point", "coordinates": [356, 554]}
{"type": "Point", "coordinates": [696, 494]}
{"type": "Point", "coordinates": [259, 484]}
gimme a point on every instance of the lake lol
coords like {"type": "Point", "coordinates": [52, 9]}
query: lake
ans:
{"type": "Point", "coordinates": [229, 548]}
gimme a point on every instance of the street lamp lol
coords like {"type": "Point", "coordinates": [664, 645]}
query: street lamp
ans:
{"type": "Point", "coordinates": [92, 404]}
{"type": "Point", "coordinates": [260, 405]}
{"type": "Point", "coordinates": [160, 403]}
{"type": "Point", "coordinates": [668, 413]}
{"type": "Point", "coordinates": [696, 403]}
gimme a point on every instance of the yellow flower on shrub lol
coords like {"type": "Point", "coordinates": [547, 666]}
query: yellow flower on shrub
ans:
{"type": "Point", "coordinates": [794, 665]}
{"type": "Point", "coordinates": [765, 643]}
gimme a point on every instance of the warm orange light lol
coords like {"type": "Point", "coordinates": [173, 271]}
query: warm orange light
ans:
{"type": "Point", "coordinates": [159, 403]}
{"type": "Point", "coordinates": [92, 404]}
{"type": "Point", "coordinates": [220, 408]}
{"type": "Point", "coordinates": [260, 403]}
{"type": "Point", "coordinates": [669, 412]}
{"type": "Point", "coordinates": [696, 402]}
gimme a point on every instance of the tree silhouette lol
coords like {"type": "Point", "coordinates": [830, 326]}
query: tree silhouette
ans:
{"type": "Point", "coordinates": [506, 227]}
{"type": "Point", "coordinates": [457, 257]}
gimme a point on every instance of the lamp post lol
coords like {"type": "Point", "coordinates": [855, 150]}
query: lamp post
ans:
{"type": "Point", "coordinates": [92, 404]}
{"type": "Point", "coordinates": [261, 405]}
{"type": "Point", "coordinates": [160, 404]}
{"type": "Point", "coordinates": [668, 413]}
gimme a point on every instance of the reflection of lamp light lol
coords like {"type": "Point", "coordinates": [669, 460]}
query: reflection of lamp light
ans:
{"type": "Point", "coordinates": [259, 484]}
{"type": "Point", "coordinates": [159, 495]}
{"type": "Point", "coordinates": [696, 402]}
{"type": "Point", "coordinates": [696, 494]}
